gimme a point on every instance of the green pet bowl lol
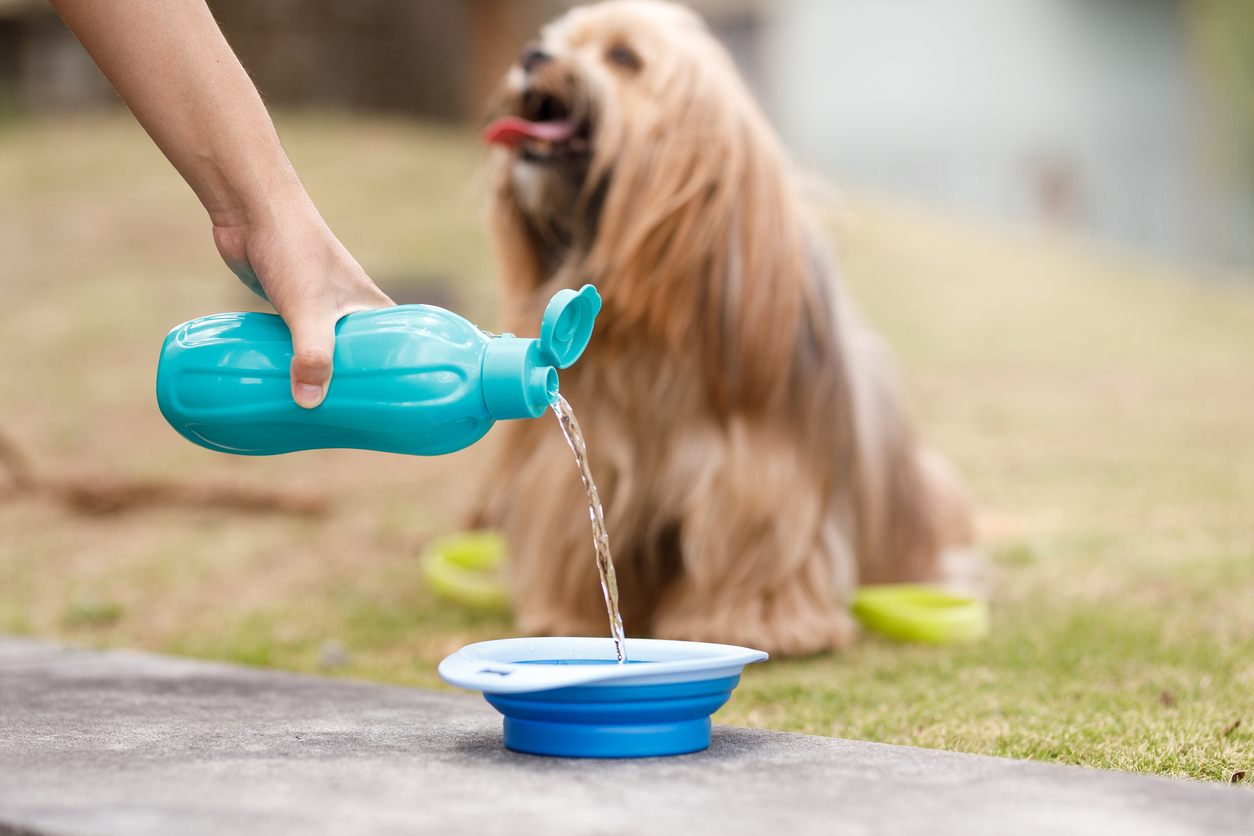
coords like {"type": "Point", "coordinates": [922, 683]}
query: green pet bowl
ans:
{"type": "Point", "coordinates": [466, 568]}
{"type": "Point", "coordinates": [921, 613]}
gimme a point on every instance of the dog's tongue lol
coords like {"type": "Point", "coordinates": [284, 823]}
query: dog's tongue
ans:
{"type": "Point", "coordinates": [510, 131]}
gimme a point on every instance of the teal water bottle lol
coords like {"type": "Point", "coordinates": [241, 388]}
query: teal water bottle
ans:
{"type": "Point", "coordinates": [413, 379]}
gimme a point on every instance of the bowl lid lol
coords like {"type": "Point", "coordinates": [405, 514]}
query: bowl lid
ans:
{"type": "Point", "coordinates": [518, 666]}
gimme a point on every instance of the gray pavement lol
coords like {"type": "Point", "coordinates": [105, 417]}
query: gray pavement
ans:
{"type": "Point", "coordinates": [130, 743]}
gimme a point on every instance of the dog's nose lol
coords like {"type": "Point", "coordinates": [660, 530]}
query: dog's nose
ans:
{"type": "Point", "coordinates": [533, 56]}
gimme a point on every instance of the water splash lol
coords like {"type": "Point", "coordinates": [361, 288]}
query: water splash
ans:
{"type": "Point", "coordinates": [600, 540]}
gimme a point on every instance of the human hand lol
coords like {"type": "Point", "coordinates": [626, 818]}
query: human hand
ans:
{"type": "Point", "coordinates": [290, 256]}
{"type": "Point", "coordinates": [177, 74]}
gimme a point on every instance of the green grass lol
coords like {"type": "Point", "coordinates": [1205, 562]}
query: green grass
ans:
{"type": "Point", "coordinates": [1100, 685]}
{"type": "Point", "coordinates": [1100, 408]}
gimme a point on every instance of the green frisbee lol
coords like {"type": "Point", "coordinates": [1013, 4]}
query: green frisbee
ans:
{"type": "Point", "coordinates": [921, 613]}
{"type": "Point", "coordinates": [466, 568]}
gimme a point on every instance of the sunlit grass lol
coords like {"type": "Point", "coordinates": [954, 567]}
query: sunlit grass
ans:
{"type": "Point", "coordinates": [1098, 684]}
{"type": "Point", "coordinates": [1100, 408]}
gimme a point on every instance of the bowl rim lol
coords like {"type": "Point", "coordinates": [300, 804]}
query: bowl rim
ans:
{"type": "Point", "coordinates": [507, 666]}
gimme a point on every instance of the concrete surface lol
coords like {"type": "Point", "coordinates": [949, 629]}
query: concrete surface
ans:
{"type": "Point", "coordinates": [129, 743]}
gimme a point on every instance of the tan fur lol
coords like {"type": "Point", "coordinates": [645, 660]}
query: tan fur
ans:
{"type": "Point", "coordinates": [745, 429]}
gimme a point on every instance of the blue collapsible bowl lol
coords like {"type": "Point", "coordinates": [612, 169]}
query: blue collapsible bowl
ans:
{"type": "Point", "coordinates": [569, 696]}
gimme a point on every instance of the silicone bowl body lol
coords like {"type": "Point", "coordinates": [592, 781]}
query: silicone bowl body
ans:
{"type": "Point", "coordinates": [466, 568]}
{"type": "Point", "coordinates": [921, 613]}
{"type": "Point", "coordinates": [569, 697]}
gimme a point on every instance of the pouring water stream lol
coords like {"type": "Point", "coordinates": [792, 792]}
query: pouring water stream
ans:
{"type": "Point", "coordinates": [600, 540]}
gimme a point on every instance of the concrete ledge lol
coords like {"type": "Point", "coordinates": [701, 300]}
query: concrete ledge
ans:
{"type": "Point", "coordinates": [131, 743]}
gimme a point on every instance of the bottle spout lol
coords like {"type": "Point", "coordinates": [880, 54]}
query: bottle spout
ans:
{"type": "Point", "coordinates": [520, 375]}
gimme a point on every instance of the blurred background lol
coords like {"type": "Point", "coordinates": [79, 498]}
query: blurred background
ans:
{"type": "Point", "coordinates": [1132, 120]}
{"type": "Point", "coordinates": [1045, 208]}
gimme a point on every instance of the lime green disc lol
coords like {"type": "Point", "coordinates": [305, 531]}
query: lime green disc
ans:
{"type": "Point", "coordinates": [921, 613]}
{"type": "Point", "coordinates": [482, 550]}
{"type": "Point", "coordinates": [466, 568]}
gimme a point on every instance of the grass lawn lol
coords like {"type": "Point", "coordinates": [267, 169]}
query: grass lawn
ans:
{"type": "Point", "coordinates": [1100, 407]}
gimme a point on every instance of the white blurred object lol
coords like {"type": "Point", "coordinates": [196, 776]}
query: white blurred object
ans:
{"type": "Point", "coordinates": [1083, 114]}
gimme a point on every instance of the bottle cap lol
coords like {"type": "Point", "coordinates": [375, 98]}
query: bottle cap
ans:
{"type": "Point", "coordinates": [567, 325]}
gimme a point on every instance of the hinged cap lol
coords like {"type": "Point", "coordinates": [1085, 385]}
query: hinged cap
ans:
{"type": "Point", "coordinates": [567, 325]}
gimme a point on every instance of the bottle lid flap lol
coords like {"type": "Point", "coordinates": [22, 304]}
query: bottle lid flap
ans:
{"type": "Point", "coordinates": [567, 325]}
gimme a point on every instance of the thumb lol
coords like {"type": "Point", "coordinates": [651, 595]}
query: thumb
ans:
{"type": "Point", "coordinates": [313, 344]}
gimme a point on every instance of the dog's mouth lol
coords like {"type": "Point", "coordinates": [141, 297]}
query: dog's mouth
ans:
{"type": "Point", "coordinates": [546, 130]}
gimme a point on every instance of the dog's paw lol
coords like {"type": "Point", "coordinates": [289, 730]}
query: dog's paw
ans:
{"type": "Point", "coordinates": [778, 632]}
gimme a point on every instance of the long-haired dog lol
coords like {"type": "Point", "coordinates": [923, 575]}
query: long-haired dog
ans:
{"type": "Point", "coordinates": [745, 429]}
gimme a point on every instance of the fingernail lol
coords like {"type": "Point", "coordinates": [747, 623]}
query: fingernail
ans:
{"type": "Point", "coordinates": [307, 395]}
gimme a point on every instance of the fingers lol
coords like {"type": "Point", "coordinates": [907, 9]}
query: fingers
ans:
{"type": "Point", "coordinates": [313, 343]}
{"type": "Point", "coordinates": [310, 279]}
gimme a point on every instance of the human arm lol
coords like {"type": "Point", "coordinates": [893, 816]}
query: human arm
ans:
{"type": "Point", "coordinates": [170, 63]}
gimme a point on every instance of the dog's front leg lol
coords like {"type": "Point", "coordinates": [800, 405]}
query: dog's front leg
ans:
{"type": "Point", "coordinates": [764, 563]}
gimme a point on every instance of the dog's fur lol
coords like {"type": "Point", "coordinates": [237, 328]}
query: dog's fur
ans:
{"type": "Point", "coordinates": [745, 429]}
